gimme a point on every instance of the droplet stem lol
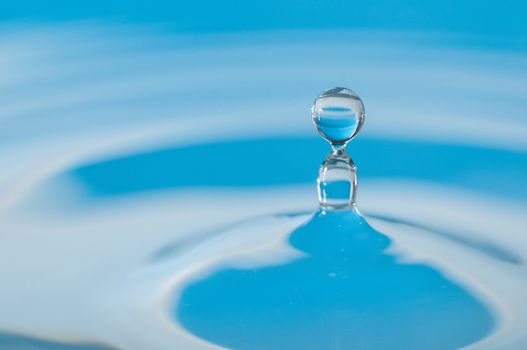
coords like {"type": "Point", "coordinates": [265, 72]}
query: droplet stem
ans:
{"type": "Point", "coordinates": [337, 181]}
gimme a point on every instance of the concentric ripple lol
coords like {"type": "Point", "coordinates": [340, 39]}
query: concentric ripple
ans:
{"type": "Point", "coordinates": [136, 162]}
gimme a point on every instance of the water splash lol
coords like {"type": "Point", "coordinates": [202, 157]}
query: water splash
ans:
{"type": "Point", "coordinates": [346, 290]}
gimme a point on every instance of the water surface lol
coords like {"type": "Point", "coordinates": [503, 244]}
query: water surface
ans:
{"type": "Point", "coordinates": [148, 180]}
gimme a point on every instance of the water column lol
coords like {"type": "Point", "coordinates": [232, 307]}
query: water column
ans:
{"type": "Point", "coordinates": [338, 115]}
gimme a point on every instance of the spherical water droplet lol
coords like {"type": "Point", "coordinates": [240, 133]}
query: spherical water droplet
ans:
{"type": "Point", "coordinates": [338, 115]}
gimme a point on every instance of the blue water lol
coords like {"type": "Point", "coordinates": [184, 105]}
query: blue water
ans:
{"type": "Point", "coordinates": [254, 163]}
{"type": "Point", "coordinates": [478, 23]}
{"type": "Point", "coordinates": [150, 154]}
{"type": "Point", "coordinates": [348, 291]}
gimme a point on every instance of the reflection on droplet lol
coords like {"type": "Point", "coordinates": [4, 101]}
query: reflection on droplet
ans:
{"type": "Point", "coordinates": [338, 114]}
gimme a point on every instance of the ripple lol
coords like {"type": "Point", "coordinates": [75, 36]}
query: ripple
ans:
{"type": "Point", "coordinates": [134, 161]}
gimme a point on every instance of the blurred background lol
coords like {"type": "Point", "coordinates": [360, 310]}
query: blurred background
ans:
{"type": "Point", "coordinates": [128, 126]}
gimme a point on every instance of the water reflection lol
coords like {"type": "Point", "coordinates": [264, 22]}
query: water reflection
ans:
{"type": "Point", "coordinates": [347, 291]}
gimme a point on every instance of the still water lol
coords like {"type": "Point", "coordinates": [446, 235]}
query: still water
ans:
{"type": "Point", "coordinates": [159, 192]}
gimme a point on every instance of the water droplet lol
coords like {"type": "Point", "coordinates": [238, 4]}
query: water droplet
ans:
{"type": "Point", "coordinates": [338, 114]}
